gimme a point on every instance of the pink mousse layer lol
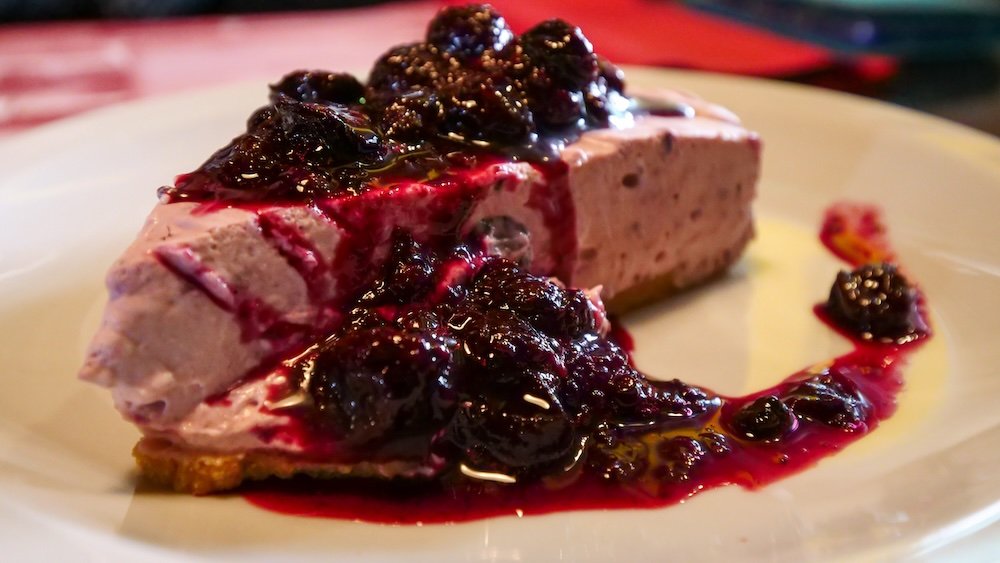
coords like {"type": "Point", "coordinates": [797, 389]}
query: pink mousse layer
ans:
{"type": "Point", "coordinates": [204, 297]}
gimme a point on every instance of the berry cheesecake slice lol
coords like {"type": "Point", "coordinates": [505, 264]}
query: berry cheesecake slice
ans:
{"type": "Point", "coordinates": [375, 279]}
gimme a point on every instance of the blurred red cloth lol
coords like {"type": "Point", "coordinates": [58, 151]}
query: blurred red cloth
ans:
{"type": "Point", "coordinates": [53, 70]}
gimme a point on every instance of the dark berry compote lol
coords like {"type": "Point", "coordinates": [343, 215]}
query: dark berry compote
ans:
{"type": "Point", "coordinates": [473, 91]}
{"type": "Point", "coordinates": [512, 393]}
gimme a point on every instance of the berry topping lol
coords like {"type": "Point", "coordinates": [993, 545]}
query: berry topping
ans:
{"type": "Point", "coordinates": [765, 419]}
{"type": "Point", "coordinates": [419, 319]}
{"type": "Point", "coordinates": [875, 301]}
{"type": "Point", "coordinates": [467, 31]}
{"type": "Point", "coordinates": [556, 107]}
{"type": "Point", "coordinates": [362, 318]}
{"type": "Point", "coordinates": [294, 149]}
{"type": "Point", "coordinates": [614, 391]}
{"type": "Point", "coordinates": [472, 87]}
{"type": "Point", "coordinates": [523, 410]}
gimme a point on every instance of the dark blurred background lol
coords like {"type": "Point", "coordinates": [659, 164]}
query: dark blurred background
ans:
{"type": "Point", "coordinates": [938, 56]}
{"type": "Point", "coordinates": [34, 10]}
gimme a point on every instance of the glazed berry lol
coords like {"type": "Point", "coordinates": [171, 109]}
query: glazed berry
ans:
{"type": "Point", "coordinates": [408, 274]}
{"type": "Point", "coordinates": [368, 382]}
{"type": "Point", "coordinates": [325, 134]}
{"type": "Point", "coordinates": [292, 149]}
{"type": "Point", "coordinates": [715, 442]}
{"type": "Point", "coordinates": [831, 399]}
{"type": "Point", "coordinates": [319, 86]}
{"type": "Point", "coordinates": [874, 301]}
{"type": "Point", "coordinates": [466, 32]}
{"type": "Point", "coordinates": [605, 386]}
{"type": "Point", "coordinates": [476, 108]}
{"type": "Point", "coordinates": [556, 311]}
{"type": "Point", "coordinates": [556, 107]}
{"type": "Point", "coordinates": [249, 162]}
{"type": "Point", "coordinates": [764, 420]}
{"type": "Point", "coordinates": [562, 51]}
{"type": "Point", "coordinates": [678, 399]}
{"type": "Point", "coordinates": [497, 339]}
{"type": "Point", "coordinates": [515, 434]}
{"type": "Point", "coordinates": [405, 67]}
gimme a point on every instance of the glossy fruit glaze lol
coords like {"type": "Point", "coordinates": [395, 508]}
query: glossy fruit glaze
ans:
{"type": "Point", "coordinates": [471, 88]}
{"type": "Point", "coordinates": [640, 444]}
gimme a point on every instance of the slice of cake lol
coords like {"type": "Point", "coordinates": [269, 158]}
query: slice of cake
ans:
{"type": "Point", "coordinates": [370, 277]}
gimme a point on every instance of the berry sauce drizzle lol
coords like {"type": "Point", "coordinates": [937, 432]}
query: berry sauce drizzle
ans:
{"type": "Point", "coordinates": [749, 441]}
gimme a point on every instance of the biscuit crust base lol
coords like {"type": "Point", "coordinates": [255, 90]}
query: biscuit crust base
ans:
{"type": "Point", "coordinates": [168, 465]}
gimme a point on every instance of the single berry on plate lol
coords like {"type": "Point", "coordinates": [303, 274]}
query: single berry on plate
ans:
{"type": "Point", "coordinates": [875, 301]}
{"type": "Point", "coordinates": [829, 398]}
{"type": "Point", "coordinates": [764, 420]}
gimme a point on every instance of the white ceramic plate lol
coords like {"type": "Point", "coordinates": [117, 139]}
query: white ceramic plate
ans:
{"type": "Point", "coordinates": [73, 194]}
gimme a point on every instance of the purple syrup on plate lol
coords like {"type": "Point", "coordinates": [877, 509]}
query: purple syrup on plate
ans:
{"type": "Point", "coordinates": [608, 438]}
